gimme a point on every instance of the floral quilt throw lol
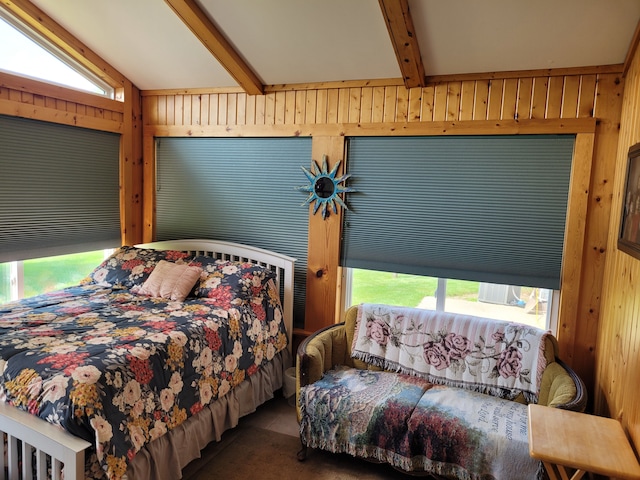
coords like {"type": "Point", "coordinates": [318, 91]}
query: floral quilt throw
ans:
{"type": "Point", "coordinates": [416, 426]}
{"type": "Point", "coordinates": [489, 356]}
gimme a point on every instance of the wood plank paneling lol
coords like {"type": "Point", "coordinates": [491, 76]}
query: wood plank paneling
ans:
{"type": "Point", "coordinates": [525, 89]}
{"type": "Point", "coordinates": [366, 105]}
{"type": "Point", "coordinates": [51, 102]}
{"type": "Point", "coordinates": [494, 111]}
{"type": "Point", "coordinates": [586, 102]}
{"type": "Point", "coordinates": [428, 99]}
{"type": "Point", "coordinates": [554, 97]}
{"type": "Point", "coordinates": [618, 340]}
{"type": "Point", "coordinates": [414, 106]}
{"type": "Point", "coordinates": [390, 104]}
{"type": "Point", "coordinates": [440, 103]}
{"type": "Point", "coordinates": [300, 106]}
{"type": "Point", "coordinates": [509, 98]}
{"type": "Point", "coordinates": [481, 100]}
{"type": "Point", "coordinates": [467, 100]}
{"type": "Point", "coordinates": [377, 114]}
{"type": "Point", "coordinates": [310, 110]}
{"type": "Point", "coordinates": [402, 105]}
{"type": "Point", "coordinates": [570, 97]}
{"type": "Point", "coordinates": [539, 97]}
{"type": "Point", "coordinates": [453, 101]}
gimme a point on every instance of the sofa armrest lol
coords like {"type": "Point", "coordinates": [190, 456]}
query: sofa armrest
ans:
{"type": "Point", "coordinates": [320, 352]}
{"type": "Point", "coordinates": [562, 388]}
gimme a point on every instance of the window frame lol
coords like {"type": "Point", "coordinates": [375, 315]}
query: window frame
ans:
{"type": "Point", "coordinates": [17, 276]}
{"type": "Point", "coordinates": [61, 56]}
{"type": "Point", "coordinates": [551, 323]}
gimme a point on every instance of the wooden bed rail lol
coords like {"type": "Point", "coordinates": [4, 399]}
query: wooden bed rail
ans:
{"type": "Point", "coordinates": [21, 431]}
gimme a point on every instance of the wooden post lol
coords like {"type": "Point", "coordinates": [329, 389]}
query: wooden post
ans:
{"type": "Point", "coordinates": [324, 247]}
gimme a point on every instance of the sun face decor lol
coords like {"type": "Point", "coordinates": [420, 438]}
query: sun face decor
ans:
{"type": "Point", "coordinates": [324, 188]}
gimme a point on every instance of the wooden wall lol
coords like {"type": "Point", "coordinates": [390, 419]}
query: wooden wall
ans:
{"type": "Point", "coordinates": [32, 99]}
{"type": "Point", "coordinates": [584, 102]}
{"type": "Point", "coordinates": [618, 346]}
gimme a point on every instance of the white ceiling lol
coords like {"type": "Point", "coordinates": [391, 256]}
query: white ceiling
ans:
{"type": "Point", "coordinates": [308, 41]}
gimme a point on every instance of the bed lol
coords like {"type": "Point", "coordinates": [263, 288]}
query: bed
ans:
{"type": "Point", "coordinates": [129, 374]}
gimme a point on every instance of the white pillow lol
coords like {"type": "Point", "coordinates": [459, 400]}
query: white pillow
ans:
{"type": "Point", "coordinates": [170, 280]}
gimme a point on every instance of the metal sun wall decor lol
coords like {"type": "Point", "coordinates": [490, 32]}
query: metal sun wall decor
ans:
{"type": "Point", "coordinates": [324, 188]}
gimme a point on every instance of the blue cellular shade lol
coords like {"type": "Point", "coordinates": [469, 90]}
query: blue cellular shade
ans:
{"type": "Point", "coordinates": [59, 189]}
{"type": "Point", "coordinates": [239, 190]}
{"type": "Point", "coordinates": [483, 208]}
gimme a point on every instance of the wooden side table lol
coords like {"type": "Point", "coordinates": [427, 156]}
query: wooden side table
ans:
{"type": "Point", "coordinates": [587, 443]}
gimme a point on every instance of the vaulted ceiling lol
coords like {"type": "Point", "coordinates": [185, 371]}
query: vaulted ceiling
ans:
{"type": "Point", "coordinates": [186, 44]}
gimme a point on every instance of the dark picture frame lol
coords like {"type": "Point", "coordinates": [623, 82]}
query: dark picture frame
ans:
{"type": "Point", "coordinates": [629, 237]}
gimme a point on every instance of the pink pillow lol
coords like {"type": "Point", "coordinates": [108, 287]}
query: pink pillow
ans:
{"type": "Point", "coordinates": [170, 280]}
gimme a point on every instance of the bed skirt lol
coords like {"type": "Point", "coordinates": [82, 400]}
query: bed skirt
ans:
{"type": "Point", "coordinates": [165, 457]}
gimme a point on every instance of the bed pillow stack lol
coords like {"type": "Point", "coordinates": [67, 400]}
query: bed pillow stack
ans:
{"type": "Point", "coordinates": [177, 275]}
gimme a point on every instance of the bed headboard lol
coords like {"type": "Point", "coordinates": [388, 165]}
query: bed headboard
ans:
{"type": "Point", "coordinates": [281, 265]}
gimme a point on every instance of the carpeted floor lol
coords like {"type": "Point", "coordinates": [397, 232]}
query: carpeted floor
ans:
{"type": "Point", "coordinates": [251, 452]}
{"type": "Point", "coordinates": [265, 445]}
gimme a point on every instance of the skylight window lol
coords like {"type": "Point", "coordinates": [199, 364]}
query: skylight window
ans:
{"type": "Point", "coordinates": [23, 55]}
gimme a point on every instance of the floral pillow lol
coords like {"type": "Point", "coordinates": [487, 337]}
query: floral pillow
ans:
{"type": "Point", "coordinates": [130, 266]}
{"type": "Point", "coordinates": [229, 282]}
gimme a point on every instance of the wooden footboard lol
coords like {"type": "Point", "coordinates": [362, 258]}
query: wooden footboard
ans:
{"type": "Point", "coordinates": [26, 435]}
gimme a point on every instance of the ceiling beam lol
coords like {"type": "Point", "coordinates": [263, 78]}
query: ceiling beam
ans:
{"type": "Point", "coordinates": [204, 29]}
{"type": "Point", "coordinates": [400, 25]}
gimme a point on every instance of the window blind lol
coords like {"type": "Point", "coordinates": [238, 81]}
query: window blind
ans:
{"type": "Point", "coordinates": [239, 190]}
{"type": "Point", "coordinates": [483, 208]}
{"type": "Point", "coordinates": [59, 189]}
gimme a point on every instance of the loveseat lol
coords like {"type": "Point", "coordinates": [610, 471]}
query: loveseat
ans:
{"type": "Point", "coordinates": [428, 392]}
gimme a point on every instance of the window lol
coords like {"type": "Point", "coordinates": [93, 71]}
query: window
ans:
{"type": "Point", "coordinates": [489, 210]}
{"type": "Point", "coordinates": [25, 53]}
{"type": "Point", "coordinates": [527, 305]}
{"type": "Point", "coordinates": [39, 275]}
{"type": "Point", "coordinates": [59, 189]}
{"type": "Point", "coordinates": [236, 189]}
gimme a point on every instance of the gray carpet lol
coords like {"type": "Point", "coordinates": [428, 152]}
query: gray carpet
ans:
{"type": "Point", "coordinates": [249, 452]}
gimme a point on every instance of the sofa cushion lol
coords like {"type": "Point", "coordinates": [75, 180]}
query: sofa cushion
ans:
{"type": "Point", "coordinates": [359, 412]}
{"type": "Point", "coordinates": [416, 426]}
{"type": "Point", "coordinates": [463, 434]}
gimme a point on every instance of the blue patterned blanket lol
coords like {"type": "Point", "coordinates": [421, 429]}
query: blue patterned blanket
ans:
{"type": "Point", "coordinates": [490, 356]}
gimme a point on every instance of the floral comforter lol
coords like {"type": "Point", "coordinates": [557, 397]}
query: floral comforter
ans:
{"type": "Point", "coordinates": [120, 370]}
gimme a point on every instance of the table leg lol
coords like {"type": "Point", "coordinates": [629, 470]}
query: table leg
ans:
{"type": "Point", "coordinates": [558, 472]}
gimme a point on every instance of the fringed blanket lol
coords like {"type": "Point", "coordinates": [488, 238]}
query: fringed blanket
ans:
{"type": "Point", "coordinates": [416, 426]}
{"type": "Point", "coordinates": [489, 356]}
